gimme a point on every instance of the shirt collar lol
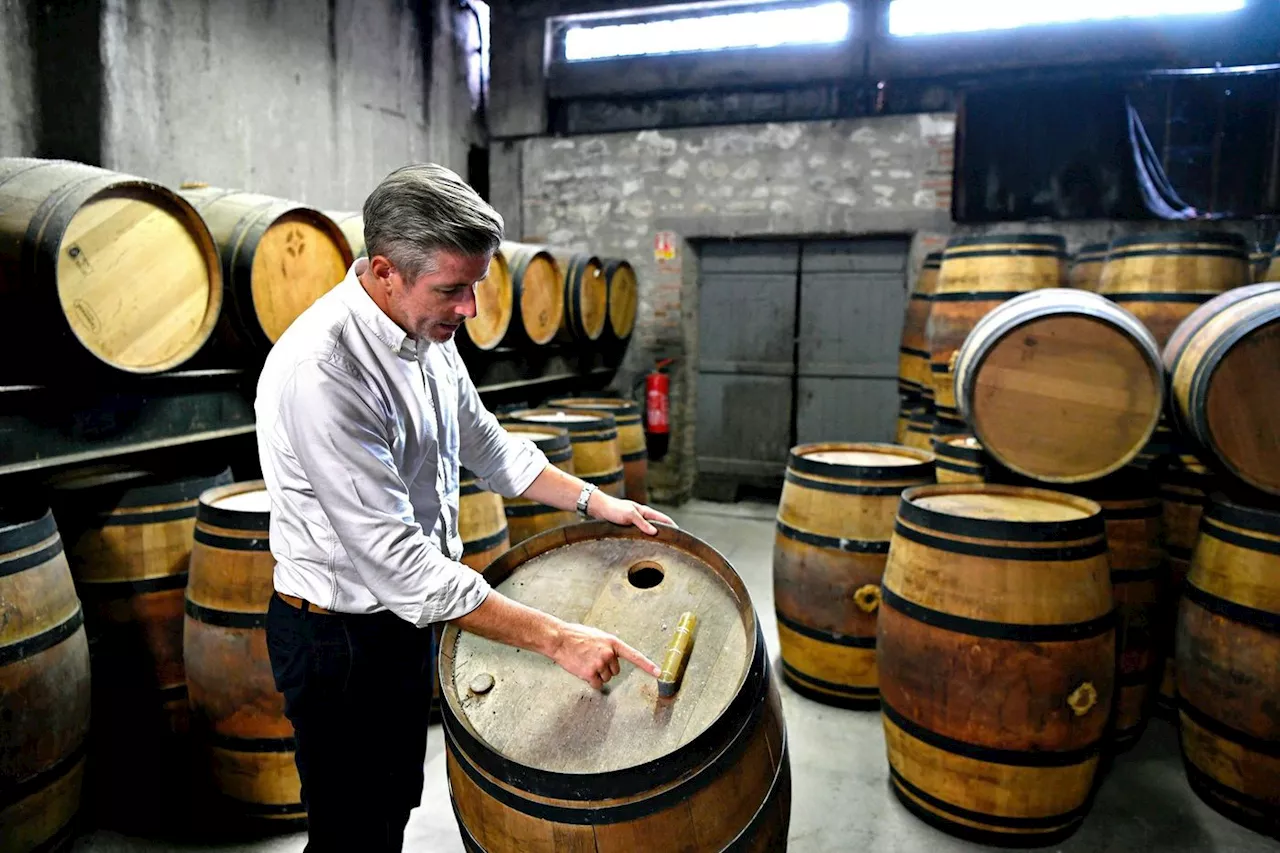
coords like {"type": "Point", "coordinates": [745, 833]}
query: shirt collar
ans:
{"type": "Point", "coordinates": [368, 312]}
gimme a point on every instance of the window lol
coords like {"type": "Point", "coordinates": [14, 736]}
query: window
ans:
{"type": "Point", "coordinates": [703, 28]}
{"type": "Point", "coordinates": [931, 17]}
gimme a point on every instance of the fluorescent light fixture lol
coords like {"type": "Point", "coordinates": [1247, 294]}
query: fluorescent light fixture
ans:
{"type": "Point", "coordinates": [822, 23]}
{"type": "Point", "coordinates": [931, 17]}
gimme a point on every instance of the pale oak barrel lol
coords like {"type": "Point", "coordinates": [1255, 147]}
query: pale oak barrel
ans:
{"type": "Point", "coordinates": [624, 298]}
{"type": "Point", "coordinates": [597, 455]}
{"type": "Point", "coordinates": [539, 762]}
{"type": "Point", "coordinates": [586, 296]}
{"type": "Point", "coordinates": [631, 440]}
{"type": "Point", "coordinates": [482, 524]}
{"type": "Point", "coordinates": [525, 517]}
{"type": "Point", "coordinates": [537, 300]}
{"type": "Point", "coordinates": [996, 651]}
{"type": "Point", "coordinates": [237, 716]}
{"type": "Point", "coordinates": [119, 268]}
{"type": "Point", "coordinates": [834, 522]}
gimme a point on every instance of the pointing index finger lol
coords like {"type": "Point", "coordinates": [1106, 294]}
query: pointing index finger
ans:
{"type": "Point", "coordinates": [624, 651]}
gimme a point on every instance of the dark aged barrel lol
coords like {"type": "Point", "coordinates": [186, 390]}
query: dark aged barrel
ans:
{"type": "Point", "coordinates": [495, 306]}
{"type": "Point", "coordinates": [539, 761]}
{"type": "Point", "coordinates": [960, 459]}
{"type": "Point", "coordinates": [1132, 512]}
{"type": "Point", "coordinates": [482, 524]}
{"type": "Point", "coordinates": [977, 274]}
{"type": "Point", "coordinates": [997, 660]}
{"type": "Point", "coordinates": [1161, 278]}
{"type": "Point", "coordinates": [594, 435]}
{"type": "Point", "coordinates": [99, 264]}
{"type": "Point", "coordinates": [537, 293]}
{"type": "Point", "coordinates": [1060, 385]}
{"type": "Point", "coordinates": [524, 517]}
{"type": "Point", "coordinates": [1220, 360]}
{"type": "Point", "coordinates": [236, 714]}
{"type": "Point", "coordinates": [1086, 267]}
{"type": "Point", "coordinates": [624, 298]}
{"type": "Point", "coordinates": [1185, 486]}
{"type": "Point", "coordinates": [834, 523]}
{"type": "Point", "coordinates": [128, 534]}
{"type": "Point", "coordinates": [586, 296]}
{"type": "Point", "coordinates": [631, 441]}
{"type": "Point", "coordinates": [1229, 664]}
{"type": "Point", "coordinates": [913, 352]}
{"type": "Point", "coordinates": [44, 686]}
{"type": "Point", "coordinates": [278, 257]}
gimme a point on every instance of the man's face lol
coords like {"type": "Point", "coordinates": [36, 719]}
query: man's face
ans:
{"type": "Point", "coordinates": [435, 305]}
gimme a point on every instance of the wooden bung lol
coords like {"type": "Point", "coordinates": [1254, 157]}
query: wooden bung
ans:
{"type": "Point", "coordinates": [103, 268]}
{"type": "Point", "coordinates": [996, 648]}
{"type": "Point", "coordinates": [834, 523]}
{"type": "Point", "coordinates": [977, 274]}
{"type": "Point", "coordinates": [237, 715]}
{"type": "Point", "coordinates": [1060, 385]}
{"type": "Point", "coordinates": [1228, 664]}
{"type": "Point", "coordinates": [703, 770]}
{"type": "Point", "coordinates": [44, 686]}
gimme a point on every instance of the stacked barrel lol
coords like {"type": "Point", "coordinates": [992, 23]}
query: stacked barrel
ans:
{"type": "Point", "coordinates": [915, 383]}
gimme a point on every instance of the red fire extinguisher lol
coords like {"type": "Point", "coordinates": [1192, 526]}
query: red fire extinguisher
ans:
{"type": "Point", "coordinates": [657, 410]}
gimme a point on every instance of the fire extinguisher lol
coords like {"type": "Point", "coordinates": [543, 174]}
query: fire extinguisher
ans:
{"type": "Point", "coordinates": [657, 409]}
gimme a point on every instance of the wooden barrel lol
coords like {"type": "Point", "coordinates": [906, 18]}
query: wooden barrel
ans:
{"type": "Point", "coordinates": [538, 760]}
{"type": "Point", "coordinates": [278, 257]}
{"type": "Point", "coordinates": [236, 714]}
{"type": "Point", "coordinates": [919, 433]}
{"type": "Point", "coordinates": [1161, 278]}
{"type": "Point", "coordinates": [631, 441]}
{"type": "Point", "coordinates": [537, 293]}
{"type": "Point", "coordinates": [960, 458]}
{"type": "Point", "coordinates": [834, 523]}
{"type": "Point", "coordinates": [586, 296]}
{"type": "Point", "coordinates": [44, 686]}
{"type": "Point", "coordinates": [1222, 362]}
{"type": "Point", "coordinates": [1133, 514]}
{"type": "Point", "coordinates": [977, 274]}
{"type": "Point", "coordinates": [996, 648]}
{"type": "Point", "coordinates": [624, 298]}
{"type": "Point", "coordinates": [495, 306]}
{"type": "Point", "coordinates": [102, 264]}
{"type": "Point", "coordinates": [1086, 267]}
{"type": "Point", "coordinates": [1060, 385]}
{"type": "Point", "coordinates": [351, 224]}
{"type": "Point", "coordinates": [597, 456]}
{"type": "Point", "coordinates": [913, 351]}
{"type": "Point", "coordinates": [1229, 664]}
{"type": "Point", "coordinates": [525, 517]}
{"type": "Point", "coordinates": [1185, 486]}
{"type": "Point", "coordinates": [482, 524]}
{"type": "Point", "coordinates": [1259, 262]}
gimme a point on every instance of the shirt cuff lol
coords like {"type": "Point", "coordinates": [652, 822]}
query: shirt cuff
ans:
{"type": "Point", "coordinates": [520, 470]}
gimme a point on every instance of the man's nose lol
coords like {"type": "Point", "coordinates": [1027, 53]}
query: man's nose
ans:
{"type": "Point", "coordinates": [468, 308]}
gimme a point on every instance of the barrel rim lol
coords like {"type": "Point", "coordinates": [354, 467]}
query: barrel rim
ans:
{"type": "Point", "coordinates": [649, 773]}
{"type": "Point", "coordinates": [1007, 529]}
{"type": "Point", "coordinates": [618, 405]}
{"type": "Point", "coordinates": [1211, 238]}
{"type": "Point", "coordinates": [511, 308]}
{"type": "Point", "coordinates": [22, 527]}
{"type": "Point", "coordinates": [1191, 325]}
{"type": "Point", "coordinates": [600, 420]}
{"type": "Point", "coordinates": [1054, 241]}
{"type": "Point", "coordinates": [798, 460]}
{"type": "Point", "coordinates": [1230, 510]}
{"type": "Point", "coordinates": [1008, 317]}
{"type": "Point", "coordinates": [552, 437]}
{"type": "Point", "coordinates": [232, 519]}
{"type": "Point", "coordinates": [955, 450]}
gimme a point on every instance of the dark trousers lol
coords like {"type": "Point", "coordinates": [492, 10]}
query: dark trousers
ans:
{"type": "Point", "coordinates": [358, 692]}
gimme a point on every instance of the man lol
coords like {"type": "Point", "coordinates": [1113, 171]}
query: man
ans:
{"type": "Point", "coordinates": [365, 412]}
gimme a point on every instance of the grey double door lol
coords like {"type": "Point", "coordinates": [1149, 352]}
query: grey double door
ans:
{"type": "Point", "coordinates": [797, 342]}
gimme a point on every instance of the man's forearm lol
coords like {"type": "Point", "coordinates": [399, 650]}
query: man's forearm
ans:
{"type": "Point", "coordinates": [502, 620]}
{"type": "Point", "coordinates": [554, 487]}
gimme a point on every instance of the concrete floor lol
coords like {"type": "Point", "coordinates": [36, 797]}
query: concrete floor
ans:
{"type": "Point", "coordinates": [840, 796]}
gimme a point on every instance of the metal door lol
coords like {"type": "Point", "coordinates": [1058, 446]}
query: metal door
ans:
{"type": "Point", "coordinates": [852, 297]}
{"type": "Point", "coordinates": [746, 361]}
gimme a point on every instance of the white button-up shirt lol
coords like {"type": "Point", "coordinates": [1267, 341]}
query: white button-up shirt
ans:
{"type": "Point", "coordinates": [361, 430]}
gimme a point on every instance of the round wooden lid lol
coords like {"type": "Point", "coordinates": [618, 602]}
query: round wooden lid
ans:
{"type": "Point", "coordinates": [541, 298]}
{"type": "Point", "coordinates": [533, 433]}
{"type": "Point", "coordinates": [593, 299]}
{"type": "Point", "coordinates": [623, 298]}
{"type": "Point", "coordinates": [557, 417]}
{"type": "Point", "coordinates": [1241, 416]}
{"type": "Point", "coordinates": [137, 285]}
{"type": "Point", "coordinates": [861, 458]}
{"type": "Point", "coordinates": [301, 256]}
{"type": "Point", "coordinates": [1032, 505]}
{"type": "Point", "coordinates": [254, 500]}
{"type": "Point", "coordinates": [494, 306]}
{"type": "Point", "coordinates": [628, 584]}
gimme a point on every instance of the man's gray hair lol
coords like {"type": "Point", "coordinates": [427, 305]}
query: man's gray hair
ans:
{"type": "Point", "coordinates": [420, 209]}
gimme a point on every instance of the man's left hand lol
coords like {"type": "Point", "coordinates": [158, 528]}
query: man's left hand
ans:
{"type": "Point", "coordinates": [608, 508]}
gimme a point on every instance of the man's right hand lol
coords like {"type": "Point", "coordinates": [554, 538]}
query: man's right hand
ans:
{"type": "Point", "coordinates": [588, 653]}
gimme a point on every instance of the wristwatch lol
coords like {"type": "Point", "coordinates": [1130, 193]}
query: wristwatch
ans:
{"type": "Point", "coordinates": [584, 498]}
